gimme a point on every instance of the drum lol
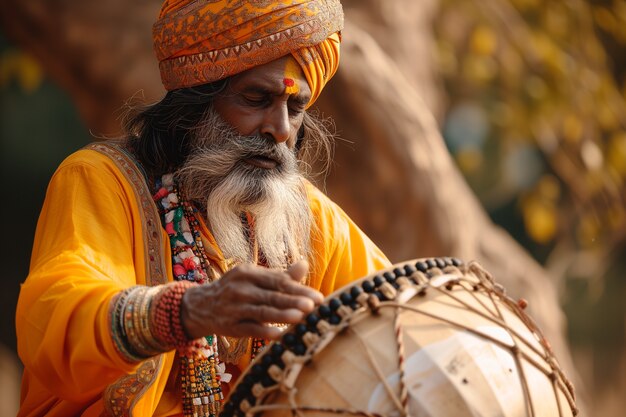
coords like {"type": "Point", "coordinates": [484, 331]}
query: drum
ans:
{"type": "Point", "coordinates": [433, 337]}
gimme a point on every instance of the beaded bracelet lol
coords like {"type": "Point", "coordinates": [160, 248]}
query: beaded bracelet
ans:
{"type": "Point", "coordinates": [165, 315]}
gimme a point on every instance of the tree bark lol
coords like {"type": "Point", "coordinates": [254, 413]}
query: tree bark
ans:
{"type": "Point", "coordinates": [404, 30]}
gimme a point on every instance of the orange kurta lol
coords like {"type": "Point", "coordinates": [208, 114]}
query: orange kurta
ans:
{"type": "Point", "coordinates": [93, 240]}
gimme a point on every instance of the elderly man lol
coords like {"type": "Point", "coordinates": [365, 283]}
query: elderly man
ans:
{"type": "Point", "coordinates": [162, 262]}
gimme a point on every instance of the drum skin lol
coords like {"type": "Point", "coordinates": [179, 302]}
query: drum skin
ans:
{"type": "Point", "coordinates": [430, 337]}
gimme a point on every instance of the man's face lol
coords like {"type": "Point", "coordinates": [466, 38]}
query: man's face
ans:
{"type": "Point", "coordinates": [244, 160]}
{"type": "Point", "coordinates": [268, 101]}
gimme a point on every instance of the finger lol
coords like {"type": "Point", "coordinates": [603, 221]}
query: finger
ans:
{"type": "Point", "coordinates": [296, 289]}
{"type": "Point", "coordinates": [271, 279]}
{"type": "Point", "coordinates": [298, 271]}
{"type": "Point", "coordinates": [254, 329]}
{"type": "Point", "coordinates": [281, 300]}
{"type": "Point", "coordinates": [269, 314]}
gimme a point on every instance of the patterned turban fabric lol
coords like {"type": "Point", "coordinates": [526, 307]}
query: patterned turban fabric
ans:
{"type": "Point", "coordinates": [201, 41]}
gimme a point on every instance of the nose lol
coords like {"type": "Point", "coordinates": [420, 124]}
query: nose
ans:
{"type": "Point", "coordinates": [276, 123]}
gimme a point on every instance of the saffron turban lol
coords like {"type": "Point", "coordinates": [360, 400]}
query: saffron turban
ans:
{"type": "Point", "coordinates": [201, 41]}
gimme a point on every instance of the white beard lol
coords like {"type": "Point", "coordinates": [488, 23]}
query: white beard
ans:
{"type": "Point", "coordinates": [282, 221]}
{"type": "Point", "coordinates": [276, 199]}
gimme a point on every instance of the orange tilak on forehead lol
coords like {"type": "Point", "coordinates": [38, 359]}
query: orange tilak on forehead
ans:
{"type": "Point", "coordinates": [292, 72]}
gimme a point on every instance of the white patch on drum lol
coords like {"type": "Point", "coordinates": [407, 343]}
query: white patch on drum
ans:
{"type": "Point", "coordinates": [463, 375]}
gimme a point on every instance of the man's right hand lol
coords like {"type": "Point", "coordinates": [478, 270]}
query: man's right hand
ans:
{"type": "Point", "coordinates": [246, 300]}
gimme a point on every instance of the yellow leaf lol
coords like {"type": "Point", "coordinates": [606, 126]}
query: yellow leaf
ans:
{"type": "Point", "coordinates": [540, 219]}
{"type": "Point", "coordinates": [572, 128]}
{"type": "Point", "coordinates": [483, 41]}
{"type": "Point", "coordinates": [616, 152]}
{"type": "Point", "coordinates": [16, 65]}
{"type": "Point", "coordinates": [549, 188]}
{"type": "Point", "coordinates": [30, 74]}
{"type": "Point", "coordinates": [607, 117]}
{"type": "Point", "coordinates": [469, 160]}
{"type": "Point", "coordinates": [8, 63]}
{"type": "Point", "coordinates": [548, 52]}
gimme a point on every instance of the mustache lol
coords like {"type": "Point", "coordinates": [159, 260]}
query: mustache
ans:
{"type": "Point", "coordinates": [238, 148]}
{"type": "Point", "coordinates": [219, 154]}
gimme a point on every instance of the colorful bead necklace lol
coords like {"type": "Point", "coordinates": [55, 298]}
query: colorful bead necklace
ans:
{"type": "Point", "coordinates": [189, 260]}
{"type": "Point", "coordinates": [201, 371]}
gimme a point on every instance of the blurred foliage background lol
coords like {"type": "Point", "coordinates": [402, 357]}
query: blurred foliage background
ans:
{"type": "Point", "coordinates": [534, 113]}
{"type": "Point", "coordinates": [535, 118]}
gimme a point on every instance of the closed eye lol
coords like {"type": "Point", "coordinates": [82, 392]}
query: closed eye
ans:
{"type": "Point", "coordinates": [297, 104]}
{"type": "Point", "coordinates": [296, 110]}
{"type": "Point", "coordinates": [257, 100]}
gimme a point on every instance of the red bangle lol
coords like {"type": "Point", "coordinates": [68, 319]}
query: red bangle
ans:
{"type": "Point", "coordinates": [166, 315]}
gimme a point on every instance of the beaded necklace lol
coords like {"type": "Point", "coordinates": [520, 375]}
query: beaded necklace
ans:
{"type": "Point", "coordinates": [189, 259]}
{"type": "Point", "coordinates": [201, 371]}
